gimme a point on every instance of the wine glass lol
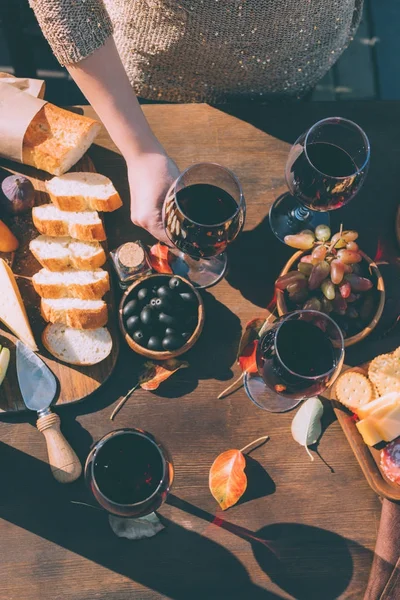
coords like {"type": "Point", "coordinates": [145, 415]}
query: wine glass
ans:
{"type": "Point", "coordinates": [299, 356]}
{"type": "Point", "coordinates": [129, 473]}
{"type": "Point", "coordinates": [326, 168]}
{"type": "Point", "coordinates": [203, 212]}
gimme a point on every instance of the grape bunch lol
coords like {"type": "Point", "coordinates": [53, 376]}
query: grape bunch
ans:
{"type": "Point", "coordinates": [332, 279]}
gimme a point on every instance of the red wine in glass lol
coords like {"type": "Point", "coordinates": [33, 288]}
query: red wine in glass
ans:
{"type": "Point", "coordinates": [325, 169]}
{"type": "Point", "coordinates": [203, 213]}
{"type": "Point", "coordinates": [129, 473]}
{"type": "Point", "coordinates": [298, 357]}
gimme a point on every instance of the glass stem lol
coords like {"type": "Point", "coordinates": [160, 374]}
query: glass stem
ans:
{"type": "Point", "coordinates": [300, 213]}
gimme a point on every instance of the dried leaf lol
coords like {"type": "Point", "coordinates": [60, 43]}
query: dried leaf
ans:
{"type": "Point", "coordinates": [227, 479]}
{"type": "Point", "coordinates": [249, 334]}
{"type": "Point", "coordinates": [247, 360]}
{"type": "Point", "coordinates": [155, 373]}
{"type": "Point", "coordinates": [136, 529]}
{"type": "Point", "coordinates": [306, 425]}
{"type": "Point", "coordinates": [159, 258]}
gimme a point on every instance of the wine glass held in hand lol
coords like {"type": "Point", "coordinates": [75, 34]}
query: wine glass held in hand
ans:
{"type": "Point", "coordinates": [129, 473]}
{"type": "Point", "coordinates": [204, 211]}
{"type": "Point", "coordinates": [298, 357]}
{"type": "Point", "coordinates": [326, 168]}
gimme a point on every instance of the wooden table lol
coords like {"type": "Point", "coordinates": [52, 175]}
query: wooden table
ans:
{"type": "Point", "coordinates": [304, 530]}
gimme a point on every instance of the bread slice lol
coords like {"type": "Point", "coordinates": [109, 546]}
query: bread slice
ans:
{"type": "Point", "coordinates": [87, 285]}
{"type": "Point", "coordinates": [85, 226]}
{"type": "Point", "coordinates": [12, 309]}
{"type": "Point", "coordinates": [76, 313]}
{"type": "Point", "coordinates": [56, 139]}
{"type": "Point", "coordinates": [62, 253]}
{"type": "Point", "coordinates": [83, 191]}
{"type": "Point", "coordinates": [77, 346]}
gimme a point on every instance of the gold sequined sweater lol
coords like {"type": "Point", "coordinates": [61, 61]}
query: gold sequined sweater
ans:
{"type": "Point", "coordinates": [206, 50]}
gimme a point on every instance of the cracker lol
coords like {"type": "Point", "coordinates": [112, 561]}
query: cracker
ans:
{"type": "Point", "coordinates": [384, 372]}
{"type": "Point", "coordinates": [353, 389]}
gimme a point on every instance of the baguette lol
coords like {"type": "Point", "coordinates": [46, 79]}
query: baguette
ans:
{"type": "Point", "coordinates": [87, 285]}
{"type": "Point", "coordinates": [75, 313]}
{"type": "Point", "coordinates": [77, 346]}
{"type": "Point", "coordinates": [56, 139]}
{"type": "Point", "coordinates": [85, 226]}
{"type": "Point", "coordinates": [83, 191]}
{"type": "Point", "coordinates": [63, 253]}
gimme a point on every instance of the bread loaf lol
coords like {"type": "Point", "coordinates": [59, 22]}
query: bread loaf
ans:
{"type": "Point", "coordinates": [56, 139]}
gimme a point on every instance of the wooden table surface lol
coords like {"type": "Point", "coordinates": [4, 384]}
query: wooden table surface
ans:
{"type": "Point", "coordinates": [303, 530]}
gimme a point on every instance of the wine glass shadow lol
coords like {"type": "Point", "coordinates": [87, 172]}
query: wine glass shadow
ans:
{"type": "Point", "coordinates": [178, 563]}
{"type": "Point", "coordinates": [252, 263]}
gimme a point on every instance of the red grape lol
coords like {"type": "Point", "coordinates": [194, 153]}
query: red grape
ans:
{"type": "Point", "coordinates": [303, 240]}
{"type": "Point", "coordinates": [326, 305]}
{"type": "Point", "coordinates": [352, 297]}
{"type": "Point", "coordinates": [349, 235]}
{"type": "Point", "coordinates": [349, 257]}
{"type": "Point", "coordinates": [296, 286]}
{"type": "Point", "coordinates": [318, 274]}
{"type": "Point", "coordinates": [318, 254]}
{"type": "Point", "coordinates": [284, 280]}
{"type": "Point", "coordinates": [337, 271]}
{"type": "Point", "coordinates": [337, 241]}
{"type": "Point", "coordinates": [358, 284]}
{"type": "Point", "coordinates": [339, 304]}
{"type": "Point", "coordinates": [306, 259]}
{"type": "Point", "coordinates": [353, 246]}
{"type": "Point", "coordinates": [345, 289]}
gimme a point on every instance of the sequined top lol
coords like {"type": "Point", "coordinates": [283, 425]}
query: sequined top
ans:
{"type": "Point", "coordinates": [207, 50]}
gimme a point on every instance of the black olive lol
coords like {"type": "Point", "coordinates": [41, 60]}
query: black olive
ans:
{"type": "Point", "coordinates": [175, 283]}
{"type": "Point", "coordinates": [154, 343]}
{"type": "Point", "coordinates": [172, 342]}
{"type": "Point", "coordinates": [170, 331]}
{"type": "Point", "coordinates": [165, 292]}
{"type": "Point", "coordinates": [156, 303]}
{"type": "Point", "coordinates": [154, 290]}
{"type": "Point", "coordinates": [166, 306]}
{"type": "Point", "coordinates": [168, 320]}
{"type": "Point", "coordinates": [147, 315]}
{"type": "Point", "coordinates": [186, 335]}
{"type": "Point", "coordinates": [189, 297]}
{"type": "Point", "coordinates": [130, 308]}
{"type": "Point", "coordinates": [142, 293]}
{"type": "Point", "coordinates": [139, 337]}
{"type": "Point", "coordinates": [132, 323]}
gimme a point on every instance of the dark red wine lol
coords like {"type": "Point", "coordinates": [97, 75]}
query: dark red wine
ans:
{"type": "Point", "coordinates": [298, 361]}
{"type": "Point", "coordinates": [128, 468]}
{"type": "Point", "coordinates": [313, 178]}
{"type": "Point", "coordinates": [202, 219]}
{"type": "Point", "coordinates": [206, 204]}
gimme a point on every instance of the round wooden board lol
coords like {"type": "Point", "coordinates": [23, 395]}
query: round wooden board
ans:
{"type": "Point", "coordinates": [75, 382]}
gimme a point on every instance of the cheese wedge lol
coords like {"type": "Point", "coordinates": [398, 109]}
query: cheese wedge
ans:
{"type": "Point", "coordinates": [367, 428]}
{"type": "Point", "coordinates": [380, 405]}
{"type": "Point", "coordinates": [12, 309]}
{"type": "Point", "coordinates": [389, 426]}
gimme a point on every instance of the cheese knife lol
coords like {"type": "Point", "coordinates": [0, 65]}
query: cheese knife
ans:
{"type": "Point", "coordinates": [38, 387]}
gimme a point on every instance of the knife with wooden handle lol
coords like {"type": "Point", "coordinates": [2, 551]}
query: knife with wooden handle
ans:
{"type": "Point", "coordinates": [38, 388]}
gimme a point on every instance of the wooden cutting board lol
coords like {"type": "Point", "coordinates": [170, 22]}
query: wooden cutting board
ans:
{"type": "Point", "coordinates": [75, 383]}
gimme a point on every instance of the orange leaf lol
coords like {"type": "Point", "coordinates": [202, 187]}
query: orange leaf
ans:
{"type": "Point", "coordinates": [156, 373]}
{"type": "Point", "coordinates": [247, 360]}
{"type": "Point", "coordinates": [159, 258]}
{"type": "Point", "coordinates": [250, 333]}
{"type": "Point", "coordinates": [227, 479]}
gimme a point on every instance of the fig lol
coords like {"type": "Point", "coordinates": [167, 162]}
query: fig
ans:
{"type": "Point", "coordinates": [18, 194]}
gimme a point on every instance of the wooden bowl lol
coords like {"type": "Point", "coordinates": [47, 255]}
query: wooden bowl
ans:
{"type": "Point", "coordinates": [164, 354]}
{"type": "Point", "coordinates": [380, 286]}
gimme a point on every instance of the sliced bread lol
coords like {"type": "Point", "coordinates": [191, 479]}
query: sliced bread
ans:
{"type": "Point", "coordinates": [62, 253]}
{"type": "Point", "coordinates": [85, 226]}
{"type": "Point", "coordinates": [83, 191]}
{"type": "Point", "coordinates": [87, 285]}
{"type": "Point", "coordinates": [77, 346]}
{"type": "Point", "coordinates": [74, 312]}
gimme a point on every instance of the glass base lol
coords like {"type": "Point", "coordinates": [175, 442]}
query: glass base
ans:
{"type": "Point", "coordinates": [264, 398]}
{"type": "Point", "coordinates": [288, 217]}
{"type": "Point", "coordinates": [202, 272]}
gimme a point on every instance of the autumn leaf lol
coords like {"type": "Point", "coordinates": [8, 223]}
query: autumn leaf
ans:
{"type": "Point", "coordinates": [250, 333]}
{"type": "Point", "coordinates": [159, 258]}
{"type": "Point", "coordinates": [247, 360]}
{"type": "Point", "coordinates": [227, 479]}
{"type": "Point", "coordinates": [156, 373]}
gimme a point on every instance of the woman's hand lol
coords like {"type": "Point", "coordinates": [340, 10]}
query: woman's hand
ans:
{"type": "Point", "coordinates": [150, 177]}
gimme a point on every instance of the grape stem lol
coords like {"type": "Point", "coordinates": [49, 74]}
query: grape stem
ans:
{"type": "Point", "coordinates": [122, 402]}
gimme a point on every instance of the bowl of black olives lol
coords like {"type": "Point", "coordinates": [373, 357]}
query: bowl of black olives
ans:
{"type": "Point", "coordinates": [161, 316]}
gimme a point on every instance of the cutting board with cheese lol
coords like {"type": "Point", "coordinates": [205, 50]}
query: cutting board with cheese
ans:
{"type": "Point", "coordinates": [49, 294]}
{"type": "Point", "coordinates": [373, 427]}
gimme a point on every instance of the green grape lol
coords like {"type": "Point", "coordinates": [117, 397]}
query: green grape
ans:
{"type": "Point", "coordinates": [337, 241]}
{"type": "Point", "coordinates": [322, 233]}
{"type": "Point", "coordinates": [318, 274]}
{"type": "Point", "coordinates": [328, 289]}
{"type": "Point", "coordinates": [326, 305]}
{"type": "Point", "coordinates": [296, 286]}
{"type": "Point", "coordinates": [312, 304]}
{"type": "Point", "coordinates": [305, 268]}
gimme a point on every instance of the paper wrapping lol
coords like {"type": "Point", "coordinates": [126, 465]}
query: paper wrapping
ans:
{"type": "Point", "coordinates": [17, 109]}
{"type": "Point", "coordinates": [34, 87]}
